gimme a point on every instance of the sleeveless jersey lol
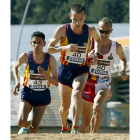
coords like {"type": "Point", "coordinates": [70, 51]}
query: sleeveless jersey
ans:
{"type": "Point", "coordinates": [80, 57]}
{"type": "Point", "coordinates": [101, 72]}
{"type": "Point", "coordinates": [32, 79]}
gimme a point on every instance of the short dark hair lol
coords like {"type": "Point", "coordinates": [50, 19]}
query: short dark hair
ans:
{"type": "Point", "coordinates": [78, 8]}
{"type": "Point", "coordinates": [38, 34]}
{"type": "Point", "coordinates": [106, 20]}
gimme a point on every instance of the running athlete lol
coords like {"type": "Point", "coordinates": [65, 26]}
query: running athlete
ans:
{"type": "Point", "coordinates": [37, 79]}
{"type": "Point", "coordinates": [73, 72]}
{"type": "Point", "coordinates": [97, 88]}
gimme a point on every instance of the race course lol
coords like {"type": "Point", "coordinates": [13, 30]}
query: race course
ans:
{"type": "Point", "coordinates": [79, 136]}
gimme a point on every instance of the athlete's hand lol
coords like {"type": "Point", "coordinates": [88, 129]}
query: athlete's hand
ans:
{"type": "Point", "coordinates": [94, 61]}
{"type": "Point", "coordinates": [16, 88]}
{"type": "Point", "coordinates": [124, 75]}
{"type": "Point", "coordinates": [91, 54]}
{"type": "Point", "coordinates": [41, 70]}
{"type": "Point", "coordinates": [71, 48]}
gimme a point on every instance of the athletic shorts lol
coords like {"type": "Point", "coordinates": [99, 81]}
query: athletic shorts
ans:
{"type": "Point", "coordinates": [91, 89]}
{"type": "Point", "coordinates": [66, 74]}
{"type": "Point", "coordinates": [36, 98]}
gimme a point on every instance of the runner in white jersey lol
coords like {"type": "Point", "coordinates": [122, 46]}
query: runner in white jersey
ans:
{"type": "Point", "coordinates": [97, 88]}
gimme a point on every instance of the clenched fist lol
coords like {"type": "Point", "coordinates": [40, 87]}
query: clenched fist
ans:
{"type": "Point", "coordinates": [71, 48]}
{"type": "Point", "coordinates": [16, 88]}
{"type": "Point", "coordinates": [41, 70]}
{"type": "Point", "coordinates": [124, 75]}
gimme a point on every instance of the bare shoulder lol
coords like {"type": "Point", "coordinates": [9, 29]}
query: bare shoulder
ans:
{"type": "Point", "coordinates": [61, 29]}
{"type": "Point", "coordinates": [118, 47]}
{"type": "Point", "coordinates": [52, 60]}
{"type": "Point", "coordinates": [91, 29]}
{"type": "Point", "coordinates": [93, 33]}
{"type": "Point", "coordinates": [59, 34]}
{"type": "Point", "coordinates": [23, 57]}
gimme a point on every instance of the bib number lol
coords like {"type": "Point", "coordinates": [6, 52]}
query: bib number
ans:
{"type": "Point", "coordinates": [102, 68]}
{"type": "Point", "coordinates": [37, 82]}
{"type": "Point", "coordinates": [78, 57]}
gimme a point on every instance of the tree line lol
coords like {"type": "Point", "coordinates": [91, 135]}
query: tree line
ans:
{"type": "Point", "coordinates": [57, 11]}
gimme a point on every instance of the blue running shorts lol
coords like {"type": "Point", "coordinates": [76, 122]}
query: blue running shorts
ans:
{"type": "Point", "coordinates": [36, 98]}
{"type": "Point", "coordinates": [66, 74]}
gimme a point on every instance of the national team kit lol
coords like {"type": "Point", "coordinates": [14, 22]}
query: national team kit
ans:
{"type": "Point", "coordinates": [36, 88]}
{"type": "Point", "coordinates": [74, 63]}
{"type": "Point", "coordinates": [100, 74]}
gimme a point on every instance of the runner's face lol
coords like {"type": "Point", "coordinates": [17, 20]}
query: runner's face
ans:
{"type": "Point", "coordinates": [77, 19]}
{"type": "Point", "coordinates": [37, 43]}
{"type": "Point", "coordinates": [104, 27]}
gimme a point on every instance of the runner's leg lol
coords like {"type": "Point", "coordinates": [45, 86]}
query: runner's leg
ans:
{"type": "Point", "coordinates": [38, 112]}
{"type": "Point", "coordinates": [78, 86]}
{"type": "Point", "coordinates": [24, 110]}
{"type": "Point", "coordinates": [86, 117]}
{"type": "Point", "coordinates": [99, 100]}
{"type": "Point", "coordinates": [65, 97]}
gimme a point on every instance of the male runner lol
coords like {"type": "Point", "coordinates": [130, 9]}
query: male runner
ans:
{"type": "Point", "coordinates": [37, 79]}
{"type": "Point", "coordinates": [97, 88]}
{"type": "Point", "coordinates": [73, 72]}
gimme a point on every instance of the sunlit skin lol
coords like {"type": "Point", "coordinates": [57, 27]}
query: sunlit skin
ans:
{"type": "Point", "coordinates": [105, 41]}
{"type": "Point", "coordinates": [37, 43]}
{"type": "Point", "coordinates": [105, 27]}
{"type": "Point", "coordinates": [103, 93]}
{"type": "Point", "coordinates": [25, 107]}
{"type": "Point", "coordinates": [77, 21]}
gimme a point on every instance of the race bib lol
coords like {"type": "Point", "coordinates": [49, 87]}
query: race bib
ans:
{"type": "Point", "coordinates": [102, 68]}
{"type": "Point", "coordinates": [37, 82]}
{"type": "Point", "coordinates": [78, 57]}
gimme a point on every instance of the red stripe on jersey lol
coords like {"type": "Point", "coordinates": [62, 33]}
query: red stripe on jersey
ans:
{"type": "Point", "coordinates": [27, 60]}
{"type": "Point", "coordinates": [100, 56]}
{"type": "Point", "coordinates": [91, 48]}
{"type": "Point", "coordinates": [36, 62]}
{"type": "Point", "coordinates": [74, 32]}
{"type": "Point", "coordinates": [91, 44]}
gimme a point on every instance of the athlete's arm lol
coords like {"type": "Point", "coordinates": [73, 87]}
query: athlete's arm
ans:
{"type": "Point", "coordinates": [52, 79]}
{"type": "Point", "coordinates": [123, 61]}
{"type": "Point", "coordinates": [93, 33]}
{"type": "Point", "coordinates": [91, 49]}
{"type": "Point", "coordinates": [59, 35]}
{"type": "Point", "coordinates": [22, 59]}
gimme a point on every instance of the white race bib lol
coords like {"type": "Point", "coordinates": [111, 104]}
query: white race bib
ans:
{"type": "Point", "coordinates": [102, 68]}
{"type": "Point", "coordinates": [78, 57]}
{"type": "Point", "coordinates": [37, 82]}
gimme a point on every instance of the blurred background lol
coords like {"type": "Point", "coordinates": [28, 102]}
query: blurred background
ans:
{"type": "Point", "coordinates": [28, 16]}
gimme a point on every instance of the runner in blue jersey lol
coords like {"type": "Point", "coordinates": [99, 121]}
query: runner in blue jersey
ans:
{"type": "Point", "coordinates": [37, 78]}
{"type": "Point", "coordinates": [73, 72]}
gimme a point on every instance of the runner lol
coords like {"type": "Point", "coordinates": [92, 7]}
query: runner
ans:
{"type": "Point", "coordinates": [37, 79]}
{"type": "Point", "coordinates": [97, 88]}
{"type": "Point", "coordinates": [73, 72]}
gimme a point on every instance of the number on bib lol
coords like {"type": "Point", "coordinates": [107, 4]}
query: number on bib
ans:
{"type": "Point", "coordinates": [77, 55]}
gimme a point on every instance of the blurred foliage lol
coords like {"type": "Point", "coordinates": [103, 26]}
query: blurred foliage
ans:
{"type": "Point", "coordinates": [57, 11]}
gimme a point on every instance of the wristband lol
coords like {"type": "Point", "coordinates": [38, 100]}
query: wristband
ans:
{"type": "Point", "coordinates": [97, 53]}
{"type": "Point", "coordinates": [123, 71]}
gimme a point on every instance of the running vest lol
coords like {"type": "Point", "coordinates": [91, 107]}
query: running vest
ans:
{"type": "Point", "coordinates": [79, 57]}
{"type": "Point", "coordinates": [32, 79]}
{"type": "Point", "coordinates": [101, 72]}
